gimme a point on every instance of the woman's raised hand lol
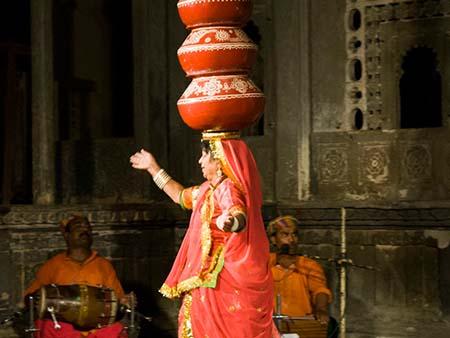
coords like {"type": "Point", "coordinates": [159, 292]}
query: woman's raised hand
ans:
{"type": "Point", "coordinates": [145, 161]}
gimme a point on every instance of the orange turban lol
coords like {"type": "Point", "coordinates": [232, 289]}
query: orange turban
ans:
{"type": "Point", "coordinates": [281, 222]}
{"type": "Point", "coordinates": [71, 220]}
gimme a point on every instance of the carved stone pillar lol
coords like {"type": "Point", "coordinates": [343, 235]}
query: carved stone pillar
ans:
{"type": "Point", "coordinates": [43, 120]}
{"type": "Point", "coordinates": [305, 124]}
{"type": "Point", "coordinates": [286, 24]}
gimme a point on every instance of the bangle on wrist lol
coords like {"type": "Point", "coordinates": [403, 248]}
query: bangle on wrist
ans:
{"type": "Point", "coordinates": [235, 225]}
{"type": "Point", "coordinates": [161, 178]}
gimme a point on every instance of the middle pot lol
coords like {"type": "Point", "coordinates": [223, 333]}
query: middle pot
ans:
{"type": "Point", "coordinates": [217, 50]}
{"type": "Point", "coordinates": [225, 102]}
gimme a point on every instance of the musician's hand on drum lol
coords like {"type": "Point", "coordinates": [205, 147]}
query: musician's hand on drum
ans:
{"type": "Point", "coordinates": [322, 316]}
{"type": "Point", "coordinates": [144, 160]}
{"type": "Point", "coordinates": [321, 308]}
{"type": "Point", "coordinates": [129, 300]}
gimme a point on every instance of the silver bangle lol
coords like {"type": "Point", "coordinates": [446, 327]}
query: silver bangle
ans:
{"type": "Point", "coordinates": [161, 178]}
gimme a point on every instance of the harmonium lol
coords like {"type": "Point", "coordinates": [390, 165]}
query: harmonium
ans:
{"type": "Point", "coordinates": [303, 327]}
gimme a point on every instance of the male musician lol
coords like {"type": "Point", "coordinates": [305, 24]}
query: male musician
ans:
{"type": "Point", "coordinates": [78, 265]}
{"type": "Point", "coordinates": [300, 282]}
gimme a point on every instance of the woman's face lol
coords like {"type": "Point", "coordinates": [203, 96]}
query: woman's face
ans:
{"type": "Point", "coordinates": [209, 165]}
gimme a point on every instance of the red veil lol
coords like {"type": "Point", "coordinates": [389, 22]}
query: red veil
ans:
{"type": "Point", "coordinates": [235, 297]}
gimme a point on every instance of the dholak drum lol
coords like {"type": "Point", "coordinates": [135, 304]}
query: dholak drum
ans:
{"type": "Point", "coordinates": [86, 307]}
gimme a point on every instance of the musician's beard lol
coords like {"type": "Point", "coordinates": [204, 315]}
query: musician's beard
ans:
{"type": "Point", "coordinates": [84, 241]}
{"type": "Point", "coordinates": [286, 249]}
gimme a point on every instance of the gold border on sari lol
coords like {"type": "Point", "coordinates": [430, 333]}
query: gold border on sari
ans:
{"type": "Point", "coordinates": [186, 326]}
{"type": "Point", "coordinates": [218, 153]}
{"type": "Point", "coordinates": [206, 277]}
{"type": "Point", "coordinates": [217, 262]}
{"type": "Point", "coordinates": [209, 135]}
{"type": "Point", "coordinates": [206, 216]}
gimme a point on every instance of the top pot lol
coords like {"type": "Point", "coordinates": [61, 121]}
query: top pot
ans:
{"type": "Point", "coordinates": [199, 13]}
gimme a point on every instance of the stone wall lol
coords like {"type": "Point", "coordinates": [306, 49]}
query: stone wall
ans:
{"type": "Point", "coordinates": [100, 171]}
{"type": "Point", "coordinates": [408, 165]}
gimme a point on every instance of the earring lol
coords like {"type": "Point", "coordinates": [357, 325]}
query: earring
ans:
{"type": "Point", "coordinates": [219, 172]}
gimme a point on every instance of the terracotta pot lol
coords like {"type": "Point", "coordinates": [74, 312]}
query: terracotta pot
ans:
{"type": "Point", "coordinates": [226, 102]}
{"type": "Point", "coordinates": [217, 50]}
{"type": "Point", "coordinates": [201, 13]}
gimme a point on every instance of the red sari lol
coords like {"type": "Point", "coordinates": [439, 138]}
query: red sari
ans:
{"type": "Point", "coordinates": [224, 278]}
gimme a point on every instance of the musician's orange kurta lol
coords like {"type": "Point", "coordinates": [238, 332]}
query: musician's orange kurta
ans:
{"type": "Point", "coordinates": [62, 270]}
{"type": "Point", "coordinates": [299, 285]}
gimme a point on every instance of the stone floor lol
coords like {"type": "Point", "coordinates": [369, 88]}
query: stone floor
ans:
{"type": "Point", "coordinates": [440, 328]}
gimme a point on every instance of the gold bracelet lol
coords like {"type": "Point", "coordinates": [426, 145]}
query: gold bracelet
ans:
{"type": "Point", "coordinates": [161, 178]}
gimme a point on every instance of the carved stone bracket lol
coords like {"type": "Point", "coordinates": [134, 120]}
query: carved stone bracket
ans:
{"type": "Point", "coordinates": [320, 215]}
{"type": "Point", "coordinates": [333, 163]}
{"type": "Point", "coordinates": [416, 163]}
{"type": "Point", "coordinates": [388, 167]}
{"type": "Point", "coordinates": [375, 163]}
{"type": "Point", "coordinates": [31, 216]}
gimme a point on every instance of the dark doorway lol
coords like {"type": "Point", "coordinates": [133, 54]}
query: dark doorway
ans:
{"type": "Point", "coordinates": [420, 90]}
{"type": "Point", "coordinates": [15, 102]}
{"type": "Point", "coordinates": [122, 67]}
{"type": "Point", "coordinates": [82, 86]}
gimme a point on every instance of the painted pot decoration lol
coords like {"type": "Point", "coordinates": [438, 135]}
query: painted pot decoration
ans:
{"type": "Point", "coordinates": [225, 102]}
{"type": "Point", "coordinates": [201, 13]}
{"type": "Point", "coordinates": [217, 50]}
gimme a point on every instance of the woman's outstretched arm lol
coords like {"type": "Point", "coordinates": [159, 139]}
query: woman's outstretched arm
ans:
{"type": "Point", "coordinates": [144, 160]}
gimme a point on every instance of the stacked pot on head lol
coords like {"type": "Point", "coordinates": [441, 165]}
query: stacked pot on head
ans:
{"type": "Point", "coordinates": [218, 55]}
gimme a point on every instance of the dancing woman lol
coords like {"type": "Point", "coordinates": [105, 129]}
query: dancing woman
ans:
{"type": "Point", "coordinates": [221, 270]}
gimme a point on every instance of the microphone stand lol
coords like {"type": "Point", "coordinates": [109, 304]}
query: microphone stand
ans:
{"type": "Point", "coordinates": [31, 329]}
{"type": "Point", "coordinates": [342, 262]}
{"type": "Point", "coordinates": [343, 277]}
{"type": "Point", "coordinates": [278, 316]}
